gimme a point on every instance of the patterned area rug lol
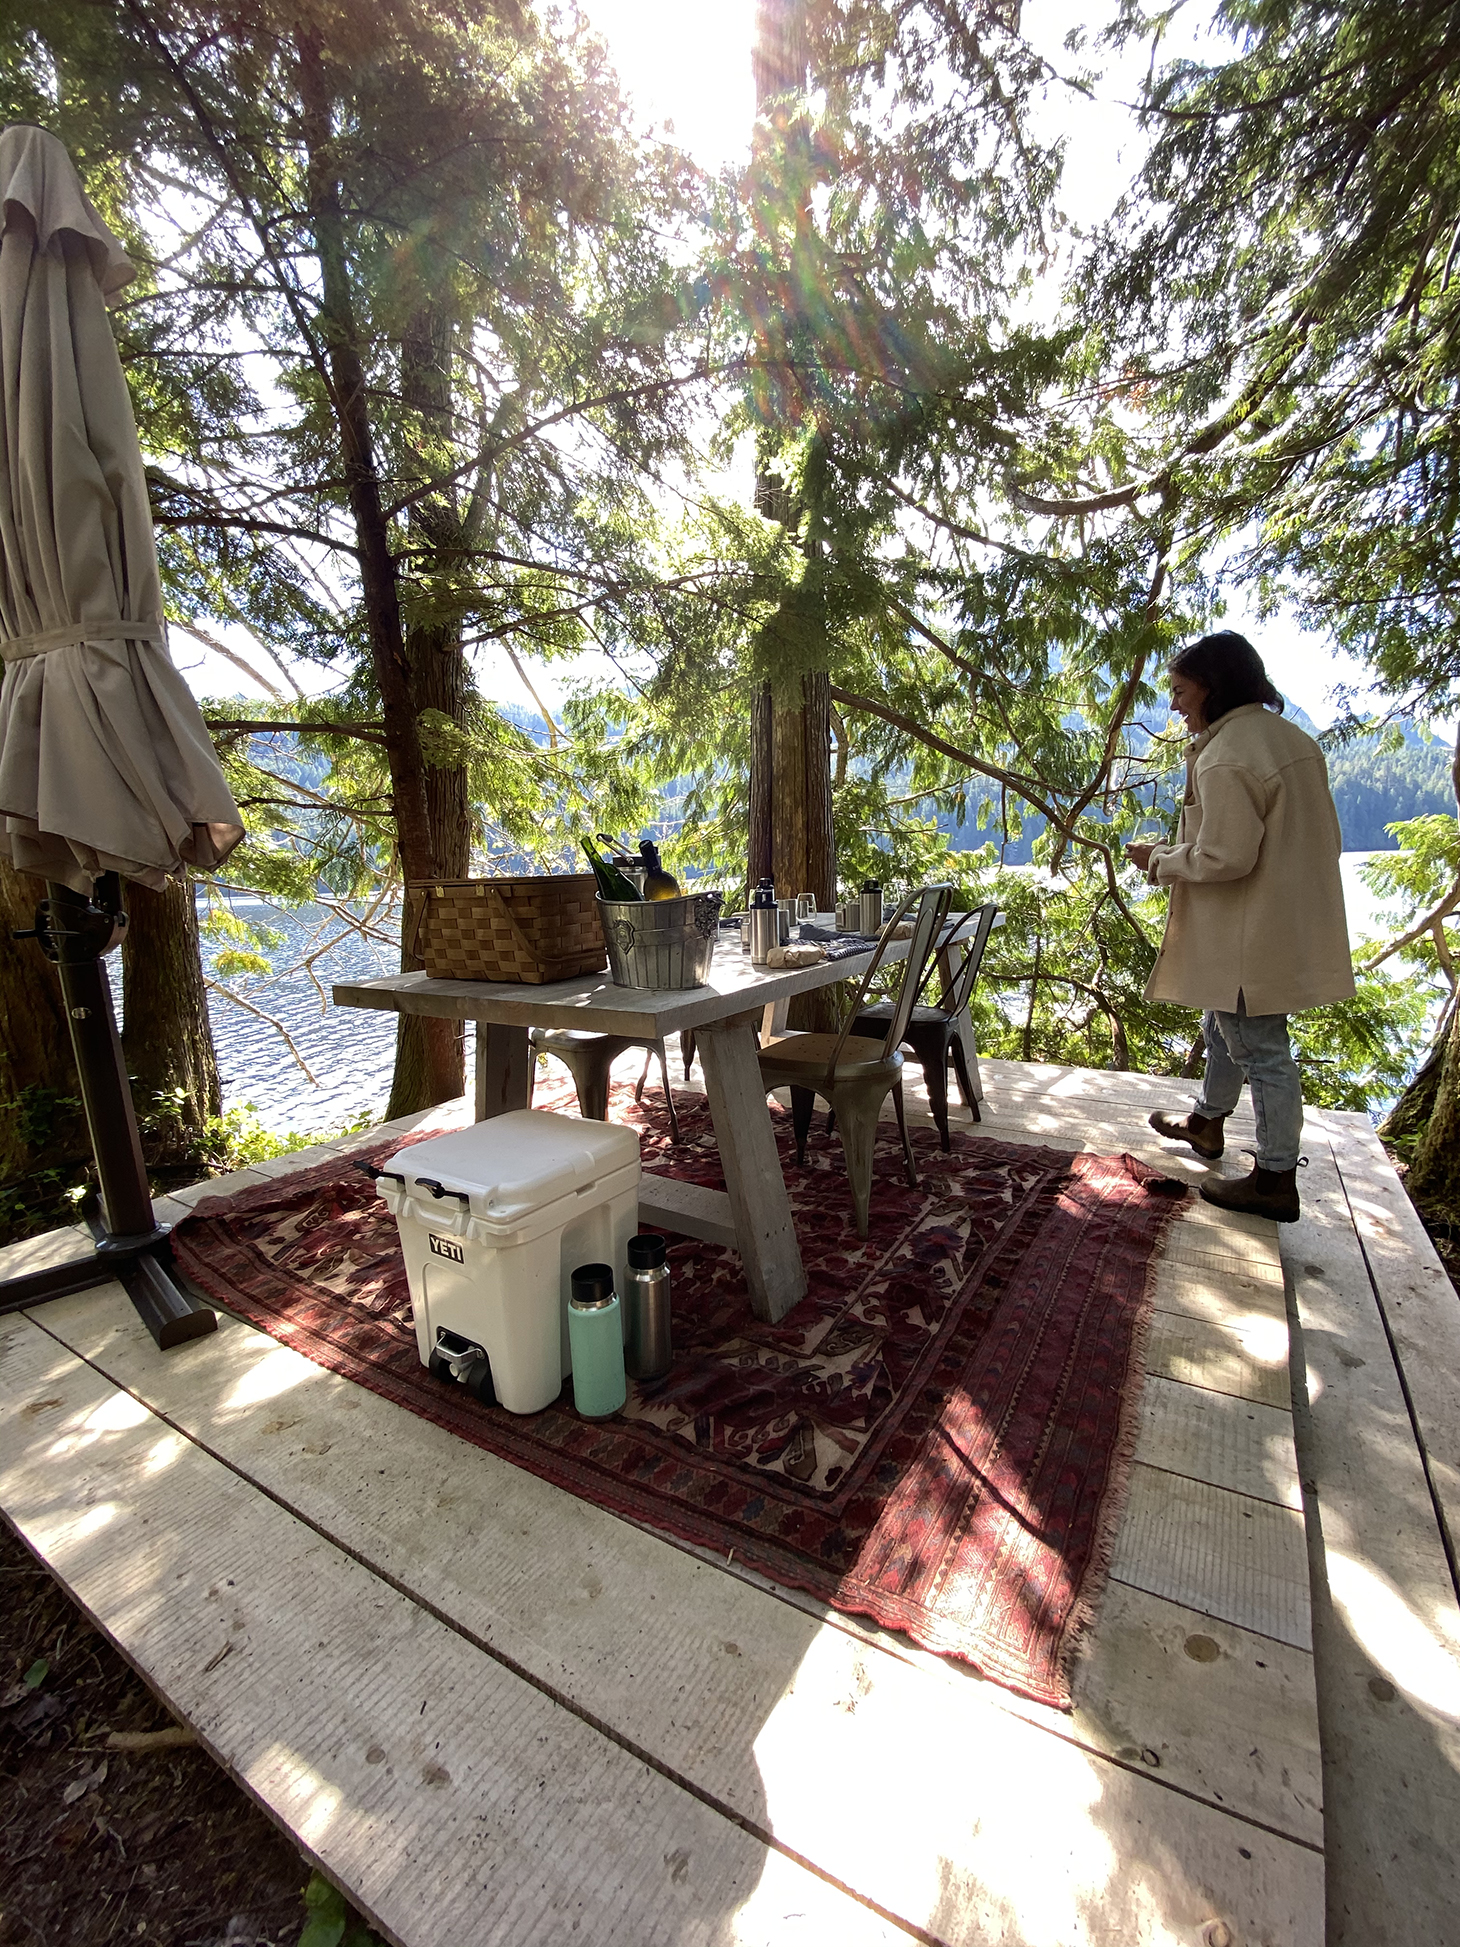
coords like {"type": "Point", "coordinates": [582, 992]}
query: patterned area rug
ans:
{"type": "Point", "coordinates": [938, 1436]}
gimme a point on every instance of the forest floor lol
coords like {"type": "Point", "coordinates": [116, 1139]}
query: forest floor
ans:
{"type": "Point", "coordinates": [98, 1847]}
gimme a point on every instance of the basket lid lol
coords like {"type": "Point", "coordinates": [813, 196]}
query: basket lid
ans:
{"type": "Point", "coordinates": [517, 1163]}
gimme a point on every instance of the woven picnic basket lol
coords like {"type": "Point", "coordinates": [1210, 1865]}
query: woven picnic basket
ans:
{"type": "Point", "coordinates": [531, 930]}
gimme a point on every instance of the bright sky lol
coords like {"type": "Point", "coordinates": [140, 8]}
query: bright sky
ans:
{"type": "Point", "coordinates": [690, 68]}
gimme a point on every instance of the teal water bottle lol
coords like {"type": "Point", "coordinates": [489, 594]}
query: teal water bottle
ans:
{"type": "Point", "coordinates": [596, 1342]}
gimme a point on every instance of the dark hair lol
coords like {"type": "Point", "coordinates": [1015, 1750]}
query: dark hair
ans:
{"type": "Point", "coordinates": [1230, 670]}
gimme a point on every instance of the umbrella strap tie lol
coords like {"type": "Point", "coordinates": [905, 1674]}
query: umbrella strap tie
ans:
{"type": "Point", "coordinates": [71, 635]}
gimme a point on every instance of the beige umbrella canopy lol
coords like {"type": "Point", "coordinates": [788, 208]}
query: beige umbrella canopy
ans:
{"type": "Point", "coordinates": [105, 763]}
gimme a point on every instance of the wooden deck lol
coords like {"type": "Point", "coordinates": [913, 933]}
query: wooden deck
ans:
{"type": "Point", "coordinates": [495, 1714]}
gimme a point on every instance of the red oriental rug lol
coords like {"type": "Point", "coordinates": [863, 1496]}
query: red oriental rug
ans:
{"type": "Point", "coordinates": [938, 1436]}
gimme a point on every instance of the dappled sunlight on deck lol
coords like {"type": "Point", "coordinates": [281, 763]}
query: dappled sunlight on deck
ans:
{"type": "Point", "coordinates": [1417, 1656]}
{"type": "Point", "coordinates": [485, 1704]}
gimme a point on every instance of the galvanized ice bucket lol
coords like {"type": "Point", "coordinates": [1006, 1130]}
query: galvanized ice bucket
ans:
{"type": "Point", "coordinates": [664, 943]}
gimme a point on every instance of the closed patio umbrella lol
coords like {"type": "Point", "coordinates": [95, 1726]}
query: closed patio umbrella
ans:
{"type": "Point", "coordinates": [106, 768]}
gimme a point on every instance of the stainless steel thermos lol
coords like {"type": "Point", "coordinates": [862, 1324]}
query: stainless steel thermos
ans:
{"type": "Point", "coordinates": [871, 903]}
{"type": "Point", "coordinates": [764, 923]}
{"type": "Point", "coordinates": [649, 1350]}
{"type": "Point", "coordinates": [596, 1342]}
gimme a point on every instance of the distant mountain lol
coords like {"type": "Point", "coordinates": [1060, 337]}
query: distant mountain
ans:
{"type": "Point", "coordinates": [1374, 788]}
{"type": "Point", "coordinates": [1371, 788]}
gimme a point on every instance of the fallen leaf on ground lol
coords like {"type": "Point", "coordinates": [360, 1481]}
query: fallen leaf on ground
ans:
{"type": "Point", "coordinates": [88, 1781]}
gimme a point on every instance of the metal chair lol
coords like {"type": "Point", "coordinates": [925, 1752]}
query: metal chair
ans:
{"type": "Point", "coordinates": [589, 1057]}
{"type": "Point", "coordinates": [855, 1074]}
{"type": "Point", "coordinates": [933, 1033]}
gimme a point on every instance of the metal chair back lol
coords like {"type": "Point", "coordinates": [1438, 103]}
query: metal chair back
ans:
{"type": "Point", "coordinates": [933, 903]}
{"type": "Point", "coordinates": [972, 933]}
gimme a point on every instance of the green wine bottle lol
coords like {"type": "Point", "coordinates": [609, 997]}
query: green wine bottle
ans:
{"type": "Point", "coordinates": [658, 884]}
{"type": "Point", "coordinates": [612, 884]}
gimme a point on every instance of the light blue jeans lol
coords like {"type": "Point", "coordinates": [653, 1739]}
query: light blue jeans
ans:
{"type": "Point", "coordinates": [1254, 1048]}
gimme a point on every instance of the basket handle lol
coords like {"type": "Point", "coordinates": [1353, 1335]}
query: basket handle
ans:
{"type": "Point", "coordinates": [422, 901]}
{"type": "Point", "coordinates": [506, 911]}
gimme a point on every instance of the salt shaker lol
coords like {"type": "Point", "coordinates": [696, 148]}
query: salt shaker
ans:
{"type": "Point", "coordinates": [596, 1342]}
{"type": "Point", "coordinates": [649, 1351]}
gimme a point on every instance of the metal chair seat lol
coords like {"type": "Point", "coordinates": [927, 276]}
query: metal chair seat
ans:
{"type": "Point", "coordinates": [803, 1057]}
{"type": "Point", "coordinates": [589, 1058]}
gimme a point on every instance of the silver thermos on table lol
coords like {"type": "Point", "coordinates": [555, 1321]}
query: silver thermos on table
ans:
{"type": "Point", "coordinates": [764, 923]}
{"type": "Point", "coordinates": [871, 903]}
{"type": "Point", "coordinates": [649, 1351]}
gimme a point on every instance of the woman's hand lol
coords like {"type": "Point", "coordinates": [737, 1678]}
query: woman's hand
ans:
{"type": "Point", "coordinates": [1140, 856]}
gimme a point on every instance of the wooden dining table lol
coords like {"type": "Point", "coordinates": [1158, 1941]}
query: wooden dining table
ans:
{"type": "Point", "coordinates": [753, 1212]}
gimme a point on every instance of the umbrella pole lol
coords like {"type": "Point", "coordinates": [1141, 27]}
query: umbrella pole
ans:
{"type": "Point", "coordinates": [77, 933]}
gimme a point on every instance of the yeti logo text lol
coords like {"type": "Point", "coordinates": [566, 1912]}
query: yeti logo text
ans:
{"type": "Point", "coordinates": [444, 1247]}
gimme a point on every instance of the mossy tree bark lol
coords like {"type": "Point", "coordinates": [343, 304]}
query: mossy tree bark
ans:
{"type": "Point", "coordinates": [167, 1038]}
{"type": "Point", "coordinates": [1431, 1107]}
{"type": "Point", "coordinates": [429, 1065]}
{"type": "Point", "coordinates": [41, 1124]}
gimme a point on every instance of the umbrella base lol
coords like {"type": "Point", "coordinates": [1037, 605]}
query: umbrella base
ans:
{"type": "Point", "coordinates": [76, 933]}
{"type": "Point", "coordinates": [142, 1266]}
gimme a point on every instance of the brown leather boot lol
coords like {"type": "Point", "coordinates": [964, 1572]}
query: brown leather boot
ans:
{"type": "Point", "coordinates": [1266, 1193]}
{"type": "Point", "coordinates": [1203, 1132]}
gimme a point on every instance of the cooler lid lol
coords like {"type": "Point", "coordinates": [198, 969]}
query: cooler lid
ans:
{"type": "Point", "coordinates": [517, 1163]}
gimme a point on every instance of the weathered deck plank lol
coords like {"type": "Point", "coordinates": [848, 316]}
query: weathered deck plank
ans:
{"type": "Point", "coordinates": [454, 1800]}
{"type": "Point", "coordinates": [797, 1711]}
{"type": "Point", "coordinates": [1227, 1555]}
{"type": "Point", "coordinates": [1386, 1623]}
{"type": "Point", "coordinates": [1421, 1307]}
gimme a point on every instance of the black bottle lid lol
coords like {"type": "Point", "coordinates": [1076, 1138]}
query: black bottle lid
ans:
{"type": "Point", "coordinates": [648, 1251]}
{"type": "Point", "coordinates": [591, 1284]}
{"type": "Point", "coordinates": [870, 885]}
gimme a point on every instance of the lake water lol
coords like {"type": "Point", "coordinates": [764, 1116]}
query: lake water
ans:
{"type": "Point", "coordinates": [350, 1051]}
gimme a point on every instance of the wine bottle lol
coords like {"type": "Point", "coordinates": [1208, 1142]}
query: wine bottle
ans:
{"type": "Point", "coordinates": [658, 884]}
{"type": "Point", "coordinates": [612, 884]}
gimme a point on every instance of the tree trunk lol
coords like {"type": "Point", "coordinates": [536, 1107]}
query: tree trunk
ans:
{"type": "Point", "coordinates": [41, 1124]}
{"type": "Point", "coordinates": [429, 1055]}
{"type": "Point", "coordinates": [434, 1061]}
{"type": "Point", "coordinates": [1434, 1173]}
{"type": "Point", "coordinates": [167, 1038]}
{"type": "Point", "coordinates": [761, 861]}
{"type": "Point", "coordinates": [791, 811]}
{"type": "Point", "coordinates": [1432, 1103]}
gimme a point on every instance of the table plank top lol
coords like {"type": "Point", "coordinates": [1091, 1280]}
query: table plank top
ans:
{"type": "Point", "coordinates": [594, 1004]}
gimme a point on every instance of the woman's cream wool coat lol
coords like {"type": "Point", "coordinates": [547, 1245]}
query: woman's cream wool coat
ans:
{"type": "Point", "coordinates": [1256, 895]}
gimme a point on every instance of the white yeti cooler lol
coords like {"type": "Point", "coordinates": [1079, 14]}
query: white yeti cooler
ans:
{"type": "Point", "coordinates": [493, 1220]}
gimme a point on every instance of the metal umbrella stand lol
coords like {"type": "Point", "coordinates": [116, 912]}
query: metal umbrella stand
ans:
{"type": "Point", "coordinates": [77, 933]}
{"type": "Point", "coordinates": [106, 768]}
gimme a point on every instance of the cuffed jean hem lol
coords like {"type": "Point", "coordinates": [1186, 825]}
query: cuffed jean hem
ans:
{"type": "Point", "coordinates": [1254, 1048]}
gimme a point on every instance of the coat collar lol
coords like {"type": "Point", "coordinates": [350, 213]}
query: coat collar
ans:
{"type": "Point", "coordinates": [1199, 743]}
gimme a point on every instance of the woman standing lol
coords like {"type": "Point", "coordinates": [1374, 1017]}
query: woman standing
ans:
{"type": "Point", "coordinates": [1256, 928]}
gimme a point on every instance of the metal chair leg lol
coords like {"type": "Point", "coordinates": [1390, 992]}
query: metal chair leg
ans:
{"type": "Point", "coordinates": [589, 1065]}
{"type": "Point", "coordinates": [929, 1042]}
{"type": "Point", "coordinates": [857, 1110]}
{"type": "Point", "coordinates": [803, 1106]}
{"type": "Point", "coordinates": [965, 1079]}
{"type": "Point", "coordinates": [912, 1168]}
{"type": "Point", "coordinates": [659, 1049]}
